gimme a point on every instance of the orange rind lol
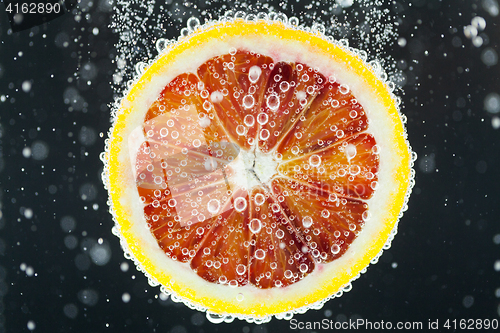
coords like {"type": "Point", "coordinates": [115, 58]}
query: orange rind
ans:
{"type": "Point", "coordinates": [370, 199]}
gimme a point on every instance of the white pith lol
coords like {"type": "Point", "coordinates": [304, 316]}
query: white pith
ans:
{"type": "Point", "coordinates": [252, 168]}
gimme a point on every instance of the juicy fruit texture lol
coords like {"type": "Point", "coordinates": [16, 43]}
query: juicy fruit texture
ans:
{"type": "Point", "coordinates": [255, 171]}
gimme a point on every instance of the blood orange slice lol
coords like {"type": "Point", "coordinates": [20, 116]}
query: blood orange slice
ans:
{"type": "Point", "coordinates": [255, 169]}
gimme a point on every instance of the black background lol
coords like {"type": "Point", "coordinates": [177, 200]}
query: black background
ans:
{"type": "Point", "coordinates": [443, 255]}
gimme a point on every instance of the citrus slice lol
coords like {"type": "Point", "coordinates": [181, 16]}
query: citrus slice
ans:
{"type": "Point", "coordinates": [256, 169]}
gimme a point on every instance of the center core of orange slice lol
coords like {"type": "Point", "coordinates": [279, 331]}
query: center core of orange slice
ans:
{"type": "Point", "coordinates": [254, 168]}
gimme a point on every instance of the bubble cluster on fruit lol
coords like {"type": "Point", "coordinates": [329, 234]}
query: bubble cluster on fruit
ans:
{"type": "Point", "coordinates": [248, 151]}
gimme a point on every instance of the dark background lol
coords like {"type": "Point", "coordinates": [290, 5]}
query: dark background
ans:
{"type": "Point", "coordinates": [62, 270]}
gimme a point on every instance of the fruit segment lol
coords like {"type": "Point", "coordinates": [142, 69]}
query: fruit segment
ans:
{"type": "Point", "coordinates": [253, 171]}
{"type": "Point", "coordinates": [224, 254]}
{"type": "Point", "coordinates": [327, 221]}
{"type": "Point", "coordinates": [279, 255]}
{"type": "Point", "coordinates": [290, 90]}
{"type": "Point", "coordinates": [234, 90]}
{"type": "Point", "coordinates": [333, 115]}
{"type": "Point", "coordinates": [348, 168]}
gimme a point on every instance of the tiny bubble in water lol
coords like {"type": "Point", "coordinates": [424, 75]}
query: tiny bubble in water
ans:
{"type": "Point", "coordinates": [26, 86]}
{"type": "Point", "coordinates": [126, 297]}
{"type": "Point", "coordinates": [31, 325]}
{"type": "Point", "coordinates": [468, 301]}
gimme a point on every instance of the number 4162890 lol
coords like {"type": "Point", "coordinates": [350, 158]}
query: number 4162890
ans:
{"type": "Point", "coordinates": [471, 324]}
{"type": "Point", "coordinates": [33, 8]}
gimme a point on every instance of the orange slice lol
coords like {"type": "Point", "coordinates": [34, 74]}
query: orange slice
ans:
{"type": "Point", "coordinates": [256, 169]}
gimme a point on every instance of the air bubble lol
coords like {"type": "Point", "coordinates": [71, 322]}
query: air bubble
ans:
{"type": "Point", "coordinates": [344, 89]}
{"type": "Point", "coordinates": [248, 101]}
{"type": "Point", "coordinates": [249, 120]}
{"type": "Point", "coordinates": [301, 95]}
{"type": "Point", "coordinates": [315, 161]}
{"type": "Point", "coordinates": [350, 151]}
{"type": "Point", "coordinates": [260, 254]}
{"type": "Point", "coordinates": [26, 86]}
{"type": "Point", "coordinates": [259, 199]}
{"type": "Point", "coordinates": [275, 208]}
{"type": "Point", "coordinates": [240, 14]}
{"type": "Point", "coordinates": [335, 249]}
{"type": "Point", "coordinates": [470, 31]}
{"type": "Point", "coordinates": [255, 225]}
{"type": "Point", "coordinates": [318, 28]}
{"type": "Point", "coordinates": [241, 269]}
{"type": "Point", "coordinates": [492, 103]}
{"type": "Point", "coordinates": [193, 23]}
{"type": "Point", "coordinates": [264, 134]}
{"type": "Point", "coordinates": [140, 67]}
{"type": "Point", "coordinates": [213, 206]}
{"type": "Point", "coordinates": [294, 21]}
{"type": "Point", "coordinates": [354, 170]}
{"type": "Point", "coordinates": [262, 118]}
{"type": "Point", "coordinates": [240, 204]}
{"type": "Point", "coordinates": [345, 3]}
{"type": "Point", "coordinates": [307, 222]}
{"type": "Point", "coordinates": [254, 74]}
{"type": "Point", "coordinates": [273, 102]}
{"type": "Point", "coordinates": [280, 234]}
{"type": "Point", "coordinates": [262, 16]}
{"type": "Point", "coordinates": [184, 32]}
{"type": "Point", "coordinates": [251, 17]}
{"type": "Point", "coordinates": [284, 86]}
{"type": "Point", "coordinates": [281, 17]}
{"type": "Point", "coordinates": [216, 97]}
{"type": "Point", "coordinates": [215, 318]}
{"type": "Point", "coordinates": [240, 130]}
